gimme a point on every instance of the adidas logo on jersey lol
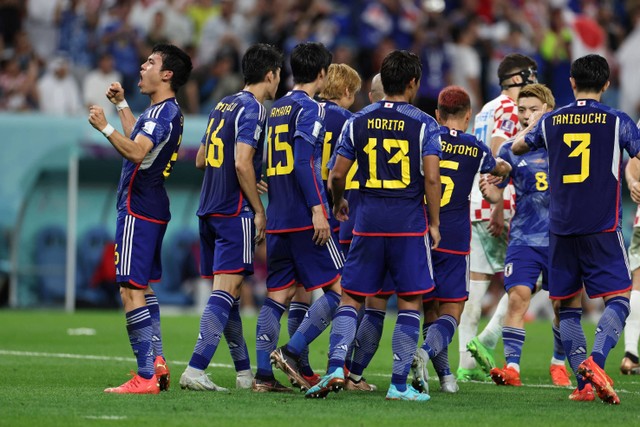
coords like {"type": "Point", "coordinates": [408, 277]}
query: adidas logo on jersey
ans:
{"type": "Point", "coordinates": [396, 357]}
{"type": "Point", "coordinates": [231, 344]}
{"type": "Point", "coordinates": [263, 337]}
{"type": "Point", "coordinates": [522, 163]}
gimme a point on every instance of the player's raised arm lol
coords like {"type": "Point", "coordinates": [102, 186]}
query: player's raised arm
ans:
{"type": "Point", "coordinates": [134, 151]}
{"type": "Point", "coordinates": [115, 94]}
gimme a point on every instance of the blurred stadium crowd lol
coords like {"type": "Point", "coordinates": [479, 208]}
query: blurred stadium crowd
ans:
{"type": "Point", "coordinates": [58, 56]}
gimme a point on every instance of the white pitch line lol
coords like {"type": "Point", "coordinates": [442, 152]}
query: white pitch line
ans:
{"type": "Point", "coordinates": [93, 357]}
{"type": "Point", "coordinates": [224, 365]}
{"type": "Point", "coordinates": [105, 417]}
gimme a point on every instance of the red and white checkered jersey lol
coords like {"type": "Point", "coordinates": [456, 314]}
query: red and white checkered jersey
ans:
{"type": "Point", "coordinates": [498, 118]}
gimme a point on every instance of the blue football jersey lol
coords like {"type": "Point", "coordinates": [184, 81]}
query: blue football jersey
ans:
{"type": "Point", "coordinates": [295, 137]}
{"type": "Point", "coordinates": [529, 172]}
{"type": "Point", "coordinates": [463, 155]}
{"type": "Point", "coordinates": [334, 119]}
{"type": "Point", "coordinates": [236, 119]}
{"type": "Point", "coordinates": [585, 140]}
{"type": "Point", "coordinates": [141, 191]}
{"type": "Point", "coordinates": [389, 140]}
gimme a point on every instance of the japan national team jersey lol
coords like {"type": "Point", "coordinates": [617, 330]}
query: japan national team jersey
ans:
{"type": "Point", "coordinates": [335, 117]}
{"type": "Point", "coordinates": [462, 157]}
{"type": "Point", "coordinates": [585, 141]}
{"type": "Point", "coordinates": [294, 154]}
{"type": "Point", "coordinates": [141, 191]}
{"type": "Point", "coordinates": [389, 140]}
{"type": "Point", "coordinates": [529, 172]}
{"type": "Point", "coordinates": [498, 118]}
{"type": "Point", "coordinates": [236, 119]}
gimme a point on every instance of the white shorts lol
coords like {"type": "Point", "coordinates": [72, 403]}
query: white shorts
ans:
{"type": "Point", "coordinates": [487, 252]}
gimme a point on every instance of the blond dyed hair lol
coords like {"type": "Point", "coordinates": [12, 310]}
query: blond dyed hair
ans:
{"type": "Point", "coordinates": [540, 91]}
{"type": "Point", "coordinates": [341, 77]}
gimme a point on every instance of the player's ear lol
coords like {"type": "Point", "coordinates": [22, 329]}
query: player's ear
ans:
{"type": "Point", "coordinates": [167, 75]}
{"type": "Point", "coordinates": [572, 81]}
{"type": "Point", "coordinates": [606, 86]}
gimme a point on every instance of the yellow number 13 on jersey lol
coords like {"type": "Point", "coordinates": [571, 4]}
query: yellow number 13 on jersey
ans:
{"type": "Point", "coordinates": [400, 157]}
{"type": "Point", "coordinates": [583, 151]}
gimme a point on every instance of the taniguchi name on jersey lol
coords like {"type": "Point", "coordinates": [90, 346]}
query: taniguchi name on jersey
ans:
{"type": "Point", "coordinates": [580, 119]}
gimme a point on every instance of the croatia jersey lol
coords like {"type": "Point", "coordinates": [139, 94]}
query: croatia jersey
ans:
{"type": "Point", "coordinates": [238, 118]}
{"type": "Point", "coordinates": [498, 118]}
{"type": "Point", "coordinates": [462, 157]}
{"type": "Point", "coordinates": [388, 140]}
{"type": "Point", "coordinates": [529, 172]}
{"type": "Point", "coordinates": [335, 117]}
{"type": "Point", "coordinates": [141, 191]}
{"type": "Point", "coordinates": [585, 140]}
{"type": "Point", "coordinates": [294, 154]}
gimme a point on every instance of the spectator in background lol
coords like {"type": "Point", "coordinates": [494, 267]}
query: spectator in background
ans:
{"type": "Point", "coordinates": [99, 78]}
{"type": "Point", "coordinates": [212, 82]}
{"type": "Point", "coordinates": [41, 27]}
{"type": "Point", "coordinates": [17, 87]}
{"type": "Point", "coordinates": [227, 29]}
{"type": "Point", "coordinates": [628, 57]}
{"type": "Point", "coordinates": [10, 20]}
{"type": "Point", "coordinates": [76, 22]}
{"type": "Point", "coordinates": [555, 50]}
{"type": "Point", "coordinates": [123, 41]}
{"type": "Point", "coordinates": [465, 61]}
{"type": "Point", "coordinates": [436, 66]}
{"type": "Point", "coordinates": [58, 91]}
{"type": "Point", "coordinates": [200, 11]}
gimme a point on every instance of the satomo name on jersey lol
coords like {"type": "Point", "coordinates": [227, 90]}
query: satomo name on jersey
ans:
{"type": "Point", "coordinates": [465, 150]}
{"type": "Point", "coordinates": [385, 124]}
{"type": "Point", "coordinates": [580, 119]}
{"type": "Point", "coordinates": [281, 111]}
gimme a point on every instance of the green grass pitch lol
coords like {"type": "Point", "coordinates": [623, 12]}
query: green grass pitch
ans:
{"type": "Point", "coordinates": [51, 377]}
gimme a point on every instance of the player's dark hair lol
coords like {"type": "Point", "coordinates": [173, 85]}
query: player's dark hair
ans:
{"type": "Point", "coordinates": [398, 69]}
{"type": "Point", "coordinates": [590, 72]}
{"type": "Point", "coordinates": [176, 60]}
{"type": "Point", "coordinates": [307, 60]}
{"type": "Point", "coordinates": [258, 60]}
{"type": "Point", "coordinates": [514, 64]}
{"type": "Point", "coordinates": [453, 101]}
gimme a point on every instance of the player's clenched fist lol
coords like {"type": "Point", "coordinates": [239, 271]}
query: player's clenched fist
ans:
{"type": "Point", "coordinates": [97, 118]}
{"type": "Point", "coordinates": [115, 93]}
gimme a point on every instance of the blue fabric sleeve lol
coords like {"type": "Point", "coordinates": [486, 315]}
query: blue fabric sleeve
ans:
{"type": "Point", "coordinates": [305, 170]}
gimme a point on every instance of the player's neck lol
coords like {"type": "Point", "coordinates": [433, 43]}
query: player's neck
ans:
{"type": "Point", "coordinates": [310, 89]}
{"type": "Point", "coordinates": [512, 92]}
{"type": "Point", "coordinates": [161, 95]}
{"type": "Point", "coordinates": [398, 98]}
{"type": "Point", "coordinates": [258, 90]}
{"type": "Point", "coordinates": [457, 124]}
{"type": "Point", "coordinates": [596, 96]}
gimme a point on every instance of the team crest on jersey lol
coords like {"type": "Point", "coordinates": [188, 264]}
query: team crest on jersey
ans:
{"type": "Point", "coordinates": [149, 127]}
{"type": "Point", "coordinates": [508, 126]}
{"type": "Point", "coordinates": [453, 132]}
{"type": "Point", "coordinates": [508, 269]}
{"type": "Point", "coordinates": [581, 103]}
{"type": "Point", "coordinates": [388, 105]}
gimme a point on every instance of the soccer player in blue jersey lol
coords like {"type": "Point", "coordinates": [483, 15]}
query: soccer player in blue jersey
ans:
{"type": "Point", "coordinates": [494, 124]}
{"type": "Point", "coordinates": [338, 94]}
{"type": "Point", "coordinates": [527, 253]}
{"type": "Point", "coordinates": [231, 213]}
{"type": "Point", "coordinates": [300, 245]}
{"type": "Point", "coordinates": [462, 156]}
{"type": "Point", "coordinates": [585, 140]}
{"type": "Point", "coordinates": [397, 148]}
{"type": "Point", "coordinates": [149, 146]}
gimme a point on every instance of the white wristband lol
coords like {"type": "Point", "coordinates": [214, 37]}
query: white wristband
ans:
{"type": "Point", "coordinates": [108, 130]}
{"type": "Point", "coordinates": [122, 105]}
